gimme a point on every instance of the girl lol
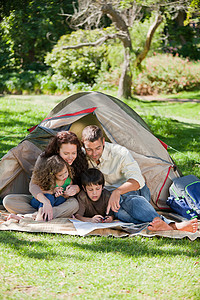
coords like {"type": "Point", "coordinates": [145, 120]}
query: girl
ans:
{"type": "Point", "coordinates": [66, 145]}
{"type": "Point", "coordinates": [54, 176]}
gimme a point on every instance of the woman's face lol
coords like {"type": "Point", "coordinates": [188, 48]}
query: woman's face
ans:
{"type": "Point", "coordinates": [68, 152]}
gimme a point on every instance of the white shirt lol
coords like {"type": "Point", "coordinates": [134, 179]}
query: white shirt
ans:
{"type": "Point", "coordinates": [117, 166]}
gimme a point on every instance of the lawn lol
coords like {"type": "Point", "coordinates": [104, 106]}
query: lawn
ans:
{"type": "Point", "coordinates": [55, 266]}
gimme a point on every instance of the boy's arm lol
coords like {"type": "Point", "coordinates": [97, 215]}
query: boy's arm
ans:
{"type": "Point", "coordinates": [94, 219]}
{"type": "Point", "coordinates": [81, 218]}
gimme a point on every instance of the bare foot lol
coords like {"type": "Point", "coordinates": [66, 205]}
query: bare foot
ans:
{"type": "Point", "coordinates": [159, 225]}
{"type": "Point", "coordinates": [39, 216]}
{"type": "Point", "coordinates": [191, 225]}
{"type": "Point", "coordinates": [14, 216]}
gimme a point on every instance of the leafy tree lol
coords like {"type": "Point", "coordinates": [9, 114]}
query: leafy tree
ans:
{"type": "Point", "coordinates": [123, 15]}
{"type": "Point", "coordinates": [31, 28]}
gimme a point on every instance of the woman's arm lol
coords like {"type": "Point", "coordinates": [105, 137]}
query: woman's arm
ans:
{"type": "Point", "coordinates": [38, 194]}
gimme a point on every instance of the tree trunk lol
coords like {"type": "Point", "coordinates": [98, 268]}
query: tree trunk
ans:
{"type": "Point", "coordinates": [141, 56]}
{"type": "Point", "coordinates": [125, 81]}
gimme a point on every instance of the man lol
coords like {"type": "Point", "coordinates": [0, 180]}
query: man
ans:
{"type": "Point", "coordinates": [130, 196]}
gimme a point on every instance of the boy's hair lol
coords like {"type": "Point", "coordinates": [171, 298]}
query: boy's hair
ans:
{"type": "Point", "coordinates": [44, 173]}
{"type": "Point", "coordinates": [92, 133]}
{"type": "Point", "coordinates": [92, 176]}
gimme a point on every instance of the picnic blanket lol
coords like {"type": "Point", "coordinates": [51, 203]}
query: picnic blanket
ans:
{"type": "Point", "coordinates": [75, 227]}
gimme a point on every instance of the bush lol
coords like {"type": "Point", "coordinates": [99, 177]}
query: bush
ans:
{"type": "Point", "coordinates": [165, 73]}
{"type": "Point", "coordinates": [80, 65]}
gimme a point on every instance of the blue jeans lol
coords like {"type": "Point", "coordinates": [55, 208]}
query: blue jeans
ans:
{"type": "Point", "coordinates": [55, 201]}
{"type": "Point", "coordinates": [135, 207]}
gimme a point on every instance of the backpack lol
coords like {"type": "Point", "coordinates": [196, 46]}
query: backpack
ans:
{"type": "Point", "coordinates": [185, 196]}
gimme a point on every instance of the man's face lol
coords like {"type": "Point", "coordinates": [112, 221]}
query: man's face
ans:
{"type": "Point", "coordinates": [94, 150]}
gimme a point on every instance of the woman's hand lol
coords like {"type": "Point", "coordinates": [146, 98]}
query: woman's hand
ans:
{"type": "Point", "coordinates": [47, 211]}
{"type": "Point", "coordinates": [71, 190]}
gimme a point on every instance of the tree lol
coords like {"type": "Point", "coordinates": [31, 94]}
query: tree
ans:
{"type": "Point", "coordinates": [31, 28]}
{"type": "Point", "coordinates": [123, 15]}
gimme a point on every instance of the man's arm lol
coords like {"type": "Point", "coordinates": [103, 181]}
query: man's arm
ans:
{"type": "Point", "coordinates": [128, 186]}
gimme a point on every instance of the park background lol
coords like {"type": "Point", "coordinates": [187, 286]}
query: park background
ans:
{"type": "Point", "coordinates": [161, 84]}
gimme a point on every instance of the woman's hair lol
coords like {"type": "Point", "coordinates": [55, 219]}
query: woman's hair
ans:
{"type": "Point", "coordinates": [92, 176]}
{"type": "Point", "coordinates": [44, 173]}
{"type": "Point", "coordinates": [80, 164]}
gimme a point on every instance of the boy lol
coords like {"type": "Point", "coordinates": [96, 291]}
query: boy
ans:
{"type": "Point", "coordinates": [93, 200]}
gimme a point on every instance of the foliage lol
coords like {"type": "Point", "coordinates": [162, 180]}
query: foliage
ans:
{"type": "Point", "coordinates": [25, 30]}
{"type": "Point", "coordinates": [183, 40]}
{"type": "Point", "coordinates": [80, 65]}
{"type": "Point", "coordinates": [167, 74]}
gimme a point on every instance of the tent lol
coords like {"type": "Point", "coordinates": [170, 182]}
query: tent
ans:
{"type": "Point", "coordinates": [120, 125]}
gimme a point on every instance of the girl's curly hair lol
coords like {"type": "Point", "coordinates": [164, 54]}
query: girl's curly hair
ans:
{"type": "Point", "coordinates": [80, 164]}
{"type": "Point", "coordinates": [44, 174]}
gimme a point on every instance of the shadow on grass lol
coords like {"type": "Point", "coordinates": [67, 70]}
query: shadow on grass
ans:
{"type": "Point", "coordinates": [50, 248]}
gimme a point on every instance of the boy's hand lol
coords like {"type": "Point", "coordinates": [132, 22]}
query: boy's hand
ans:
{"type": "Point", "coordinates": [97, 219]}
{"type": "Point", "coordinates": [108, 219]}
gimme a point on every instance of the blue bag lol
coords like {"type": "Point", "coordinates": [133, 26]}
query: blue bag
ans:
{"type": "Point", "coordinates": [185, 196]}
{"type": "Point", "coordinates": [180, 206]}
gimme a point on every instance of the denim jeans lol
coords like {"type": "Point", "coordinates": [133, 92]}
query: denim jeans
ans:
{"type": "Point", "coordinates": [55, 201]}
{"type": "Point", "coordinates": [135, 207]}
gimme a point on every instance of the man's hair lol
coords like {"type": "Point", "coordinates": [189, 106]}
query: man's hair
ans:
{"type": "Point", "coordinates": [92, 176]}
{"type": "Point", "coordinates": [92, 133]}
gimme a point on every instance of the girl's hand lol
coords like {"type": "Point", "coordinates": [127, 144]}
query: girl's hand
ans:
{"type": "Point", "coordinates": [58, 191]}
{"type": "Point", "coordinates": [71, 190]}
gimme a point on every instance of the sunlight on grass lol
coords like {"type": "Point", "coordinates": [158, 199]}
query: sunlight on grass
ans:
{"type": "Point", "coordinates": [55, 266]}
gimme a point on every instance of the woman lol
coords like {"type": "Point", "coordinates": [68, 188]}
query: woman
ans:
{"type": "Point", "coordinates": [67, 145]}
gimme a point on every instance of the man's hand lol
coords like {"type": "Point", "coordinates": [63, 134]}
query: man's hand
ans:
{"type": "Point", "coordinates": [113, 202]}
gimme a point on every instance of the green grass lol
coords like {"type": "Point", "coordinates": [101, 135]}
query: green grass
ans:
{"type": "Point", "coordinates": [55, 266]}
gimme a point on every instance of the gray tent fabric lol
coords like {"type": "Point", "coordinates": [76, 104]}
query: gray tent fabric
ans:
{"type": "Point", "coordinates": [120, 125]}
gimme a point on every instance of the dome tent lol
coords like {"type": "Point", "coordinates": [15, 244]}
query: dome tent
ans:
{"type": "Point", "coordinates": [120, 125]}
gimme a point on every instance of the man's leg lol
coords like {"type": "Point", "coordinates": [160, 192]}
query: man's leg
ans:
{"type": "Point", "coordinates": [136, 209]}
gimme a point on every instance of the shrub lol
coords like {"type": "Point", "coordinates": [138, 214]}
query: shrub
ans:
{"type": "Point", "coordinates": [80, 65]}
{"type": "Point", "coordinates": [165, 73]}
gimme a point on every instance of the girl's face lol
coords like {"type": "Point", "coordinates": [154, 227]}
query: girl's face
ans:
{"type": "Point", "coordinates": [68, 152]}
{"type": "Point", "coordinates": [62, 175]}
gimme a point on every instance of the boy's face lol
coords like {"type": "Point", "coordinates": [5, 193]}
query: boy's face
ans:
{"type": "Point", "coordinates": [94, 191]}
